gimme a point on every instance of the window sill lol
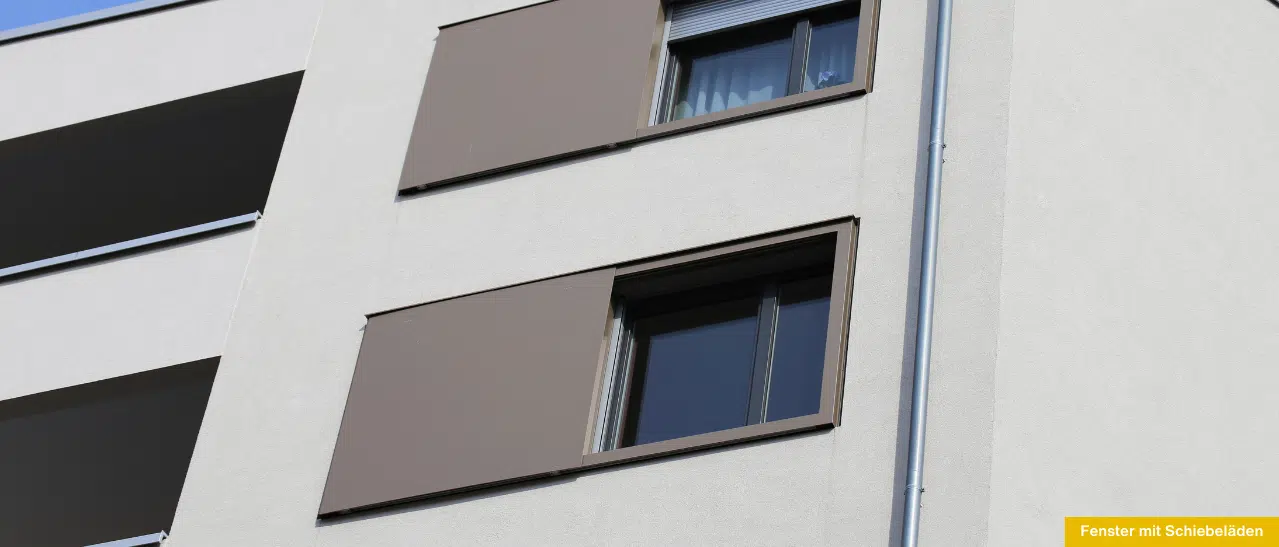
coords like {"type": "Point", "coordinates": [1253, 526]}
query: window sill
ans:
{"type": "Point", "coordinates": [708, 440]}
{"type": "Point", "coordinates": [750, 111]}
{"type": "Point", "coordinates": [599, 460]}
{"type": "Point", "coordinates": [123, 246]}
{"type": "Point", "coordinates": [654, 132]}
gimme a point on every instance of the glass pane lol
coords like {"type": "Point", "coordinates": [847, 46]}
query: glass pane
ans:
{"type": "Point", "coordinates": [799, 349]}
{"type": "Point", "coordinates": [832, 52]}
{"type": "Point", "coordinates": [732, 75]}
{"type": "Point", "coordinates": [693, 371]}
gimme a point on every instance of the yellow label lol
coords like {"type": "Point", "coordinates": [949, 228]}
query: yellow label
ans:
{"type": "Point", "coordinates": [1187, 531]}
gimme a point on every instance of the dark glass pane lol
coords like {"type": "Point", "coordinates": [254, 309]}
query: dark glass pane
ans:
{"type": "Point", "coordinates": [799, 349]}
{"type": "Point", "coordinates": [693, 371]}
{"type": "Point", "coordinates": [832, 52]}
{"type": "Point", "coordinates": [748, 66]}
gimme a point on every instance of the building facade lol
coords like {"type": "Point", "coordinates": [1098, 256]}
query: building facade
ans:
{"type": "Point", "coordinates": [340, 272]}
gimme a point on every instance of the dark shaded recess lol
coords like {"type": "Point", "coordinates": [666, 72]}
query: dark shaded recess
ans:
{"type": "Point", "coordinates": [101, 461]}
{"type": "Point", "coordinates": [142, 172]}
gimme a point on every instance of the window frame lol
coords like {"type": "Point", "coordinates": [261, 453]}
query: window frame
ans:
{"type": "Point", "coordinates": [616, 364]}
{"type": "Point", "coordinates": [678, 54]}
{"type": "Point", "coordinates": [667, 68]}
{"type": "Point", "coordinates": [627, 362]}
{"type": "Point", "coordinates": [569, 395]}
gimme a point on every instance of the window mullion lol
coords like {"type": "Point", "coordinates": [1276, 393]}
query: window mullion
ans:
{"type": "Point", "coordinates": [661, 81]}
{"type": "Point", "coordinates": [763, 355]}
{"type": "Point", "coordinates": [670, 86]}
{"type": "Point", "coordinates": [799, 57]}
{"type": "Point", "coordinates": [622, 401]}
{"type": "Point", "coordinates": [617, 380]}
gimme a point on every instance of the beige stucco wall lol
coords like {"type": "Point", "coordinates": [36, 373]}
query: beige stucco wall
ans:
{"type": "Point", "coordinates": [107, 318]}
{"type": "Point", "coordinates": [102, 69]}
{"type": "Point", "coordinates": [1138, 327]}
{"type": "Point", "coordinates": [337, 244]}
{"type": "Point", "coordinates": [167, 304]}
{"type": "Point", "coordinates": [1104, 333]}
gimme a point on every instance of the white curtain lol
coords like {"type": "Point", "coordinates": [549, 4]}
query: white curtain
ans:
{"type": "Point", "coordinates": [734, 78]}
{"type": "Point", "coordinates": [831, 55]}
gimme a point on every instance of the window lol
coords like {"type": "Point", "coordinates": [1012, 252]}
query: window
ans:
{"type": "Point", "coordinates": [719, 357]}
{"type": "Point", "coordinates": [565, 78]}
{"type": "Point", "coordinates": [710, 68]}
{"type": "Point", "coordinates": [721, 72]}
{"type": "Point", "coordinates": [740, 341]}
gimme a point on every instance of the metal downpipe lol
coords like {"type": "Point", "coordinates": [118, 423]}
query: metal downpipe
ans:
{"type": "Point", "coordinates": [927, 279]}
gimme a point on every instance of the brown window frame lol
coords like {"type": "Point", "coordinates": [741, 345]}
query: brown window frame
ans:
{"type": "Point", "coordinates": [700, 269]}
{"type": "Point", "coordinates": [758, 297]}
{"type": "Point", "coordinates": [799, 26]}
{"type": "Point", "coordinates": [665, 66]}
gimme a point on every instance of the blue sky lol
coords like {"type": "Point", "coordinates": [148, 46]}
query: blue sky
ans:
{"type": "Point", "coordinates": [20, 13]}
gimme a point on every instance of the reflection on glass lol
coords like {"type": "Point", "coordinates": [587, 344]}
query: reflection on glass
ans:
{"type": "Point", "coordinates": [831, 54]}
{"type": "Point", "coordinates": [729, 78]}
{"type": "Point", "coordinates": [693, 371]}
{"type": "Point", "coordinates": [796, 384]}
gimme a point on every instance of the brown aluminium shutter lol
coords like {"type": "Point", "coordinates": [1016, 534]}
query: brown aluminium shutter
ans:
{"type": "Point", "coordinates": [531, 84]}
{"type": "Point", "coordinates": [472, 391]}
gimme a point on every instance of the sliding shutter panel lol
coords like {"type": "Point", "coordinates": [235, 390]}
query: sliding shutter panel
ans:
{"type": "Point", "coordinates": [472, 391]}
{"type": "Point", "coordinates": [532, 84]}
